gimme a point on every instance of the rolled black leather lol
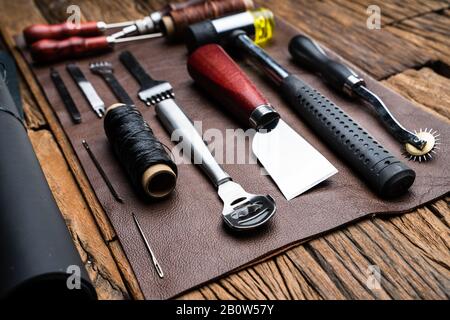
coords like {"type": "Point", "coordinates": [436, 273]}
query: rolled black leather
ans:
{"type": "Point", "coordinates": [382, 171]}
{"type": "Point", "coordinates": [36, 250]}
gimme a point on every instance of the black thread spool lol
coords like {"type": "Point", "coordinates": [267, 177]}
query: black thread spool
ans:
{"type": "Point", "coordinates": [147, 163]}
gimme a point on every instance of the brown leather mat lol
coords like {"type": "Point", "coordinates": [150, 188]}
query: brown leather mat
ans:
{"type": "Point", "coordinates": [186, 230]}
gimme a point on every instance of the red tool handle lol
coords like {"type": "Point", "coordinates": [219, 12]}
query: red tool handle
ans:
{"type": "Point", "coordinates": [216, 72]}
{"type": "Point", "coordinates": [74, 47]}
{"type": "Point", "coordinates": [38, 32]}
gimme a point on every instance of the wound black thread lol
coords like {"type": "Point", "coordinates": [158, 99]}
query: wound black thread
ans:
{"type": "Point", "coordinates": [138, 150]}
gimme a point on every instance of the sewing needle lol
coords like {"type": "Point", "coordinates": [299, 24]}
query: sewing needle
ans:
{"type": "Point", "coordinates": [150, 251]}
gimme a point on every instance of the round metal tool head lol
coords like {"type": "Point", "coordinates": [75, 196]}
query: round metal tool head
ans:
{"type": "Point", "coordinates": [425, 154]}
{"type": "Point", "coordinates": [250, 213]}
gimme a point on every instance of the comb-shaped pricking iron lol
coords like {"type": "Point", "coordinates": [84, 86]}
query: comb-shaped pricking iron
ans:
{"type": "Point", "coordinates": [106, 71]}
{"type": "Point", "coordinates": [152, 91]}
{"type": "Point", "coordinates": [419, 145]}
{"type": "Point", "coordinates": [88, 90]}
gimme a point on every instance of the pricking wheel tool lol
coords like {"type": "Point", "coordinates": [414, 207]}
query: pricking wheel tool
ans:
{"type": "Point", "coordinates": [418, 146]}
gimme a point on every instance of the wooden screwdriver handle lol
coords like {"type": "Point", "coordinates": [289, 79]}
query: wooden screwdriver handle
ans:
{"type": "Point", "coordinates": [60, 31]}
{"type": "Point", "coordinates": [216, 72]}
{"type": "Point", "coordinates": [46, 50]}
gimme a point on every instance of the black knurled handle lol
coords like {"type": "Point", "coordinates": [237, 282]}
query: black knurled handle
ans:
{"type": "Point", "coordinates": [387, 175]}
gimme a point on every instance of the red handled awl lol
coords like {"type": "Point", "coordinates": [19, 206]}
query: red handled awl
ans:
{"type": "Point", "coordinates": [65, 30]}
{"type": "Point", "coordinates": [292, 162]}
{"type": "Point", "coordinates": [419, 145]}
{"type": "Point", "coordinates": [75, 47]}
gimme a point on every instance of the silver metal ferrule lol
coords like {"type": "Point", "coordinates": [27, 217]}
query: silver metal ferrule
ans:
{"type": "Point", "coordinates": [156, 18]}
{"type": "Point", "coordinates": [264, 117]}
{"type": "Point", "coordinates": [102, 26]}
{"type": "Point", "coordinates": [233, 22]}
{"type": "Point", "coordinates": [351, 83]}
{"type": "Point", "coordinates": [256, 54]}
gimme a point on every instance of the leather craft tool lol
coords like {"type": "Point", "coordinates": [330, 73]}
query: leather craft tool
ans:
{"type": "Point", "coordinates": [105, 70]}
{"type": "Point", "coordinates": [419, 146]}
{"type": "Point", "coordinates": [291, 161]}
{"type": "Point", "coordinates": [49, 43]}
{"type": "Point", "coordinates": [387, 175]}
{"type": "Point", "coordinates": [151, 91]}
{"type": "Point", "coordinates": [65, 96]}
{"type": "Point", "coordinates": [149, 248]}
{"type": "Point", "coordinates": [101, 171]}
{"type": "Point", "coordinates": [88, 90]}
{"type": "Point", "coordinates": [259, 24]}
{"type": "Point", "coordinates": [242, 211]}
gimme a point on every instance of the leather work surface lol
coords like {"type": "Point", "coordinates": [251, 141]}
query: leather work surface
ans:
{"type": "Point", "coordinates": [185, 230]}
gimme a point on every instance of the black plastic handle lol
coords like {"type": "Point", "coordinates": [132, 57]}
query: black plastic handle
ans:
{"type": "Point", "coordinates": [309, 54]}
{"type": "Point", "coordinates": [387, 175]}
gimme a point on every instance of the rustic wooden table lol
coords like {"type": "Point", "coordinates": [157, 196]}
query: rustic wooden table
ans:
{"type": "Point", "coordinates": [411, 54]}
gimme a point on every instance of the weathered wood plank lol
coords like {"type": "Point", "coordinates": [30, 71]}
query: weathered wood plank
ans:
{"type": "Point", "coordinates": [98, 10]}
{"type": "Point", "coordinates": [378, 52]}
{"type": "Point", "coordinates": [393, 11]}
{"type": "Point", "coordinates": [430, 33]}
{"type": "Point", "coordinates": [425, 87]}
{"type": "Point", "coordinates": [34, 118]}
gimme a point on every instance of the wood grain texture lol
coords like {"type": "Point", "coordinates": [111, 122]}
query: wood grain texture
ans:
{"type": "Point", "coordinates": [411, 250]}
{"type": "Point", "coordinates": [429, 32]}
{"type": "Point", "coordinates": [343, 29]}
{"type": "Point", "coordinates": [420, 85]}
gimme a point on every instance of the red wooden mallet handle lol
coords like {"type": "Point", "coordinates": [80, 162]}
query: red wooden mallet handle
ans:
{"type": "Point", "coordinates": [216, 72]}
{"type": "Point", "coordinates": [74, 47]}
{"type": "Point", "coordinates": [60, 31]}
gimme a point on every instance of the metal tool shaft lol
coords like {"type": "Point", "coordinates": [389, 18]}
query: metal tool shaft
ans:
{"type": "Point", "coordinates": [275, 71]}
{"type": "Point", "coordinates": [88, 90]}
{"type": "Point", "coordinates": [389, 121]}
